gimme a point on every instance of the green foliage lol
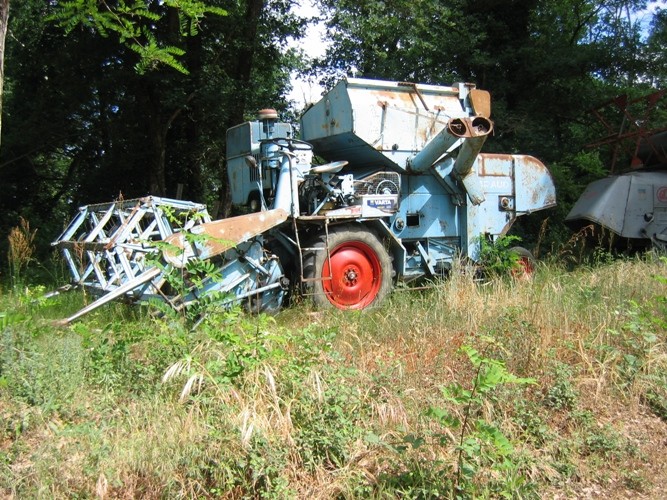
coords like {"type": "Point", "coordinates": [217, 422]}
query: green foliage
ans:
{"type": "Point", "coordinates": [635, 347]}
{"type": "Point", "coordinates": [153, 55]}
{"type": "Point", "coordinates": [657, 45]}
{"type": "Point", "coordinates": [532, 421]}
{"type": "Point", "coordinates": [481, 447]}
{"type": "Point", "coordinates": [379, 405]}
{"type": "Point", "coordinates": [573, 172]}
{"type": "Point", "coordinates": [47, 377]}
{"type": "Point", "coordinates": [83, 126]}
{"type": "Point", "coordinates": [128, 360]}
{"type": "Point", "coordinates": [604, 441]}
{"type": "Point", "coordinates": [193, 283]}
{"type": "Point", "coordinates": [496, 257]}
{"type": "Point", "coordinates": [328, 423]}
{"type": "Point", "coordinates": [404, 46]}
{"type": "Point", "coordinates": [233, 346]}
{"type": "Point", "coordinates": [481, 442]}
{"type": "Point", "coordinates": [134, 23]}
{"type": "Point", "coordinates": [561, 395]}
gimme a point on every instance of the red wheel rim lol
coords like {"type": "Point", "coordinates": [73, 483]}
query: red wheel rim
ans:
{"type": "Point", "coordinates": [356, 275]}
{"type": "Point", "coordinates": [525, 268]}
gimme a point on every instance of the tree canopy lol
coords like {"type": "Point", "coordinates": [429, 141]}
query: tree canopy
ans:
{"type": "Point", "coordinates": [91, 115]}
{"type": "Point", "coordinates": [547, 65]}
{"type": "Point", "coordinates": [130, 97]}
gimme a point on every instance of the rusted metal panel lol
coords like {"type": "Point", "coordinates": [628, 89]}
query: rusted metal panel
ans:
{"type": "Point", "coordinates": [524, 177]}
{"type": "Point", "coordinates": [481, 102]}
{"type": "Point", "coordinates": [495, 165]}
{"type": "Point", "coordinates": [215, 238]}
{"type": "Point", "coordinates": [512, 185]}
{"type": "Point", "coordinates": [535, 189]}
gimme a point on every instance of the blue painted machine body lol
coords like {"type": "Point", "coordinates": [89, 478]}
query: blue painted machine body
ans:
{"type": "Point", "coordinates": [450, 194]}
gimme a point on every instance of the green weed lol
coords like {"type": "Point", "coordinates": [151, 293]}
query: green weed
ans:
{"type": "Point", "coordinates": [497, 258]}
{"type": "Point", "coordinates": [561, 394]}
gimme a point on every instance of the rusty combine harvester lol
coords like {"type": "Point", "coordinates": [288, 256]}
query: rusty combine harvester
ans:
{"type": "Point", "coordinates": [406, 191]}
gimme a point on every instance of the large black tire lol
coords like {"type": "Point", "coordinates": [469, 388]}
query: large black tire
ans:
{"type": "Point", "coordinates": [361, 269]}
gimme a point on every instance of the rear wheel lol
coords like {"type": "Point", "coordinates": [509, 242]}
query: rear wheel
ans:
{"type": "Point", "coordinates": [355, 273]}
{"type": "Point", "coordinates": [525, 263]}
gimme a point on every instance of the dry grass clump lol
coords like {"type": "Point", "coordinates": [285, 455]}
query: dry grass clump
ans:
{"type": "Point", "coordinates": [21, 248]}
{"type": "Point", "coordinates": [575, 332]}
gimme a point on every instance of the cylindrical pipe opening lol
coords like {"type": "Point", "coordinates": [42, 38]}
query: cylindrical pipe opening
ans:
{"type": "Point", "coordinates": [481, 126]}
{"type": "Point", "coordinates": [458, 127]}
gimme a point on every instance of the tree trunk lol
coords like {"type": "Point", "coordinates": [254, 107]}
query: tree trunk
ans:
{"type": "Point", "coordinates": [158, 178]}
{"type": "Point", "coordinates": [156, 135]}
{"type": "Point", "coordinates": [159, 122]}
{"type": "Point", "coordinates": [193, 169]}
{"type": "Point", "coordinates": [4, 16]}
{"type": "Point", "coordinates": [244, 60]}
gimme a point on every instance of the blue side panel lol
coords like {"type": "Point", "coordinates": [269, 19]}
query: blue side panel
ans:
{"type": "Point", "coordinates": [428, 226]}
{"type": "Point", "coordinates": [425, 210]}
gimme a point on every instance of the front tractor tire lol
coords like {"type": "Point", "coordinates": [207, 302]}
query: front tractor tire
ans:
{"type": "Point", "coordinates": [355, 273]}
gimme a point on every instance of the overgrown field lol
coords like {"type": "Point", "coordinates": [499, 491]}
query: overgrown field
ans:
{"type": "Point", "coordinates": [543, 388]}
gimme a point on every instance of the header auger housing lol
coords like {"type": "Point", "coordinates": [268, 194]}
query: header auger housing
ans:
{"type": "Point", "coordinates": [405, 192]}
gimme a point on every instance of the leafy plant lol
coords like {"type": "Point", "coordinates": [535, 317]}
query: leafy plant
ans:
{"type": "Point", "coordinates": [479, 440]}
{"type": "Point", "coordinates": [497, 258]}
{"type": "Point", "coordinates": [639, 346]}
{"type": "Point", "coordinates": [48, 378]}
{"type": "Point", "coordinates": [134, 23]}
{"type": "Point", "coordinates": [192, 285]}
{"type": "Point", "coordinates": [235, 345]}
{"type": "Point", "coordinates": [344, 406]}
{"type": "Point", "coordinates": [561, 395]}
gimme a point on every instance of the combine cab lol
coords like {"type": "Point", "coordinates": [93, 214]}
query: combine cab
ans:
{"type": "Point", "coordinates": [406, 191]}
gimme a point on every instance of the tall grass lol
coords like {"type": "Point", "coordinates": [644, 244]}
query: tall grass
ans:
{"type": "Point", "coordinates": [347, 405]}
{"type": "Point", "coordinates": [21, 250]}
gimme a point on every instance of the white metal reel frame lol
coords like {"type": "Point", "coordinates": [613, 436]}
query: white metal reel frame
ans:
{"type": "Point", "coordinates": [109, 245]}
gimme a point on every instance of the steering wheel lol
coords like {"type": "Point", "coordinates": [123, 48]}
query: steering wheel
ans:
{"type": "Point", "coordinates": [290, 144]}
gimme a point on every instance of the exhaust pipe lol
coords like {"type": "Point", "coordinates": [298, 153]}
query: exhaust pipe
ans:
{"type": "Point", "coordinates": [476, 126]}
{"type": "Point", "coordinates": [457, 131]}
